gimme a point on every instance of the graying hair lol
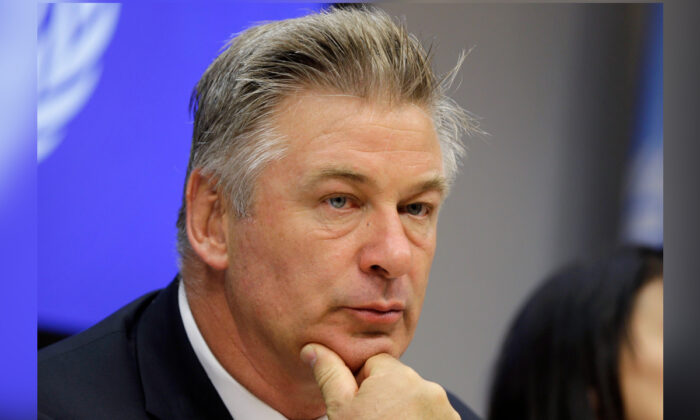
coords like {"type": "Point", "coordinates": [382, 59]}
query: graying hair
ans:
{"type": "Point", "coordinates": [354, 51]}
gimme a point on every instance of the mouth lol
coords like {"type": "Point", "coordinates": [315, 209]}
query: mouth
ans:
{"type": "Point", "coordinates": [377, 314]}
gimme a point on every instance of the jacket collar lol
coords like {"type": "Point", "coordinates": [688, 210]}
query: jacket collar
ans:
{"type": "Point", "coordinates": [175, 385]}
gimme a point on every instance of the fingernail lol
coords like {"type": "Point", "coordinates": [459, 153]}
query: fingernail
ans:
{"type": "Point", "coordinates": [308, 355]}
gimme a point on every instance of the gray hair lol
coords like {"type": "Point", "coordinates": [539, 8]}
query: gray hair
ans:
{"type": "Point", "coordinates": [354, 51]}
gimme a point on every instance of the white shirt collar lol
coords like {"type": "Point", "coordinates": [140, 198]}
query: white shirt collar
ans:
{"type": "Point", "coordinates": [240, 402]}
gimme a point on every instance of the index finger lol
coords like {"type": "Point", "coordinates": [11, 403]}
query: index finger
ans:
{"type": "Point", "coordinates": [378, 363]}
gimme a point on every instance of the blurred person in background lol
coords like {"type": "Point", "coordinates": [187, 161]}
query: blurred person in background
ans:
{"type": "Point", "coordinates": [587, 345]}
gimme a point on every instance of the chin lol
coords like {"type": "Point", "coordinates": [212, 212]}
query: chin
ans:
{"type": "Point", "coordinates": [356, 351]}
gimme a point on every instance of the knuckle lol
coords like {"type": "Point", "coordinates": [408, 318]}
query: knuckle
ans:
{"type": "Point", "coordinates": [435, 392]}
{"type": "Point", "coordinates": [379, 360]}
{"type": "Point", "coordinates": [411, 373]}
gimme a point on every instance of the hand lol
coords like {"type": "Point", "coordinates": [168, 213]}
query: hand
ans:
{"type": "Point", "coordinates": [388, 389]}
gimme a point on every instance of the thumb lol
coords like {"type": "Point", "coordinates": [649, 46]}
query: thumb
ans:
{"type": "Point", "coordinates": [335, 379]}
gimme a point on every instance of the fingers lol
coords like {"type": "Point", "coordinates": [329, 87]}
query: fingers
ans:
{"type": "Point", "coordinates": [336, 381]}
{"type": "Point", "coordinates": [389, 389]}
{"type": "Point", "coordinates": [378, 363]}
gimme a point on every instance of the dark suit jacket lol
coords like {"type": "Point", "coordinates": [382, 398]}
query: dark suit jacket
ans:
{"type": "Point", "coordinates": [135, 364]}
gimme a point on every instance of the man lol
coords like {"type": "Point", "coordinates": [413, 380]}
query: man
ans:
{"type": "Point", "coordinates": [323, 148]}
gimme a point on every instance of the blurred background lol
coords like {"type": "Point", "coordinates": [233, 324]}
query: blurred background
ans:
{"type": "Point", "coordinates": [18, 205]}
{"type": "Point", "coordinates": [570, 95]}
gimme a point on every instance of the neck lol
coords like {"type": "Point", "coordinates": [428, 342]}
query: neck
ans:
{"type": "Point", "coordinates": [288, 387]}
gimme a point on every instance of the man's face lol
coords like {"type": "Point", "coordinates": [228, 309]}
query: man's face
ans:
{"type": "Point", "coordinates": [342, 231]}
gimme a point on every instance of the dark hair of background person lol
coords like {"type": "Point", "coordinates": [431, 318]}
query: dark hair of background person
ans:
{"type": "Point", "coordinates": [559, 359]}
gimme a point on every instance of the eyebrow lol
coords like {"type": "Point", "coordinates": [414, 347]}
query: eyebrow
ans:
{"type": "Point", "coordinates": [335, 173]}
{"type": "Point", "coordinates": [347, 174]}
{"type": "Point", "coordinates": [437, 183]}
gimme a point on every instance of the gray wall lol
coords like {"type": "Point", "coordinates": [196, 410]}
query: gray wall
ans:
{"type": "Point", "coordinates": [555, 87]}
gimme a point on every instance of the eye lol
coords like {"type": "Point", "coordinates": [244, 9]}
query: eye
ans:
{"type": "Point", "coordinates": [417, 209]}
{"type": "Point", "coordinates": [337, 202]}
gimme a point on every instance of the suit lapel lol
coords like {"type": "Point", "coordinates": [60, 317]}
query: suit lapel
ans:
{"type": "Point", "coordinates": [174, 383]}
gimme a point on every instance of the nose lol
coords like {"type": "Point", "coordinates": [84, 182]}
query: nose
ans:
{"type": "Point", "coordinates": [387, 249]}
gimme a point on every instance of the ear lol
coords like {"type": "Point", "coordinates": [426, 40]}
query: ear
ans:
{"type": "Point", "coordinates": [206, 220]}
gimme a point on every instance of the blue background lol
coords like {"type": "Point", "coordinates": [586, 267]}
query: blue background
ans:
{"type": "Point", "coordinates": [109, 194]}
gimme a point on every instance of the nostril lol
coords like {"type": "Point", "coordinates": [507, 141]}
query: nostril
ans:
{"type": "Point", "coordinates": [379, 270]}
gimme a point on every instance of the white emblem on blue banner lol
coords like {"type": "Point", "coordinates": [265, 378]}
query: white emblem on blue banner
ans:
{"type": "Point", "coordinates": [71, 40]}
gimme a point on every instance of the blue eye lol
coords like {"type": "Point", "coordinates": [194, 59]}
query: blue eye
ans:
{"type": "Point", "coordinates": [338, 202]}
{"type": "Point", "coordinates": [417, 209]}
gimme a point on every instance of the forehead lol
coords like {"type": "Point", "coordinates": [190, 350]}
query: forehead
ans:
{"type": "Point", "coordinates": [324, 127]}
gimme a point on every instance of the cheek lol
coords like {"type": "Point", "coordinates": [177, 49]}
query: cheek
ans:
{"type": "Point", "coordinates": [417, 304]}
{"type": "Point", "coordinates": [650, 364]}
{"type": "Point", "coordinates": [642, 381]}
{"type": "Point", "coordinates": [423, 260]}
{"type": "Point", "coordinates": [268, 241]}
{"type": "Point", "coordinates": [292, 269]}
{"type": "Point", "coordinates": [423, 235]}
{"type": "Point", "coordinates": [425, 245]}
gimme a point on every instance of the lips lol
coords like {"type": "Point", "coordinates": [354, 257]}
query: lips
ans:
{"type": "Point", "coordinates": [377, 313]}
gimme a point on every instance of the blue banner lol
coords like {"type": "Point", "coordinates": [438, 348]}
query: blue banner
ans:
{"type": "Point", "coordinates": [643, 206]}
{"type": "Point", "coordinates": [114, 84]}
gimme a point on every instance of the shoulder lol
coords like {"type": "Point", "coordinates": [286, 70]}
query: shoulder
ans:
{"type": "Point", "coordinates": [115, 325]}
{"type": "Point", "coordinates": [94, 371]}
{"type": "Point", "coordinates": [464, 411]}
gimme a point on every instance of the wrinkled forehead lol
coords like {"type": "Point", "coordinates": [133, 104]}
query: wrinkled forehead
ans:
{"type": "Point", "coordinates": [345, 137]}
{"type": "Point", "coordinates": [319, 112]}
